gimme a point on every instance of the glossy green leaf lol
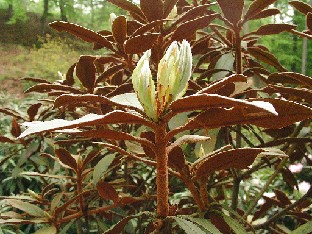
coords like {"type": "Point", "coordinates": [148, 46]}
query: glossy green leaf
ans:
{"type": "Point", "coordinates": [304, 229]}
{"type": "Point", "coordinates": [188, 226]}
{"type": "Point", "coordinates": [119, 227]}
{"type": "Point", "coordinates": [234, 225]}
{"type": "Point", "coordinates": [56, 201]}
{"type": "Point", "coordinates": [47, 230]}
{"type": "Point", "coordinates": [206, 224]}
{"type": "Point", "coordinates": [101, 167]}
{"type": "Point", "coordinates": [128, 99]}
{"type": "Point", "coordinates": [23, 221]}
{"type": "Point", "coordinates": [29, 208]}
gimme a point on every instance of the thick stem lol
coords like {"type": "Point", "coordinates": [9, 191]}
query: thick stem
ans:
{"type": "Point", "coordinates": [162, 171]}
{"type": "Point", "coordinates": [203, 192]}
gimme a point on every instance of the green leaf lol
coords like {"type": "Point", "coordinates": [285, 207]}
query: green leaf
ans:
{"type": "Point", "coordinates": [66, 228]}
{"type": "Point", "coordinates": [102, 167]}
{"type": "Point", "coordinates": [30, 209]}
{"type": "Point", "coordinates": [205, 223]}
{"type": "Point", "coordinates": [23, 221]}
{"type": "Point", "coordinates": [50, 230]}
{"type": "Point", "coordinates": [119, 227]}
{"type": "Point", "coordinates": [56, 201]}
{"type": "Point", "coordinates": [188, 226]}
{"type": "Point", "coordinates": [234, 225]}
{"type": "Point", "coordinates": [129, 99]}
{"type": "Point", "coordinates": [304, 229]}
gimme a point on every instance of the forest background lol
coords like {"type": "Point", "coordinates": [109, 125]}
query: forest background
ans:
{"type": "Point", "coordinates": [25, 35]}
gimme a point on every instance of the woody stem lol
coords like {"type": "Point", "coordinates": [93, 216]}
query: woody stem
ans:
{"type": "Point", "coordinates": [162, 171]}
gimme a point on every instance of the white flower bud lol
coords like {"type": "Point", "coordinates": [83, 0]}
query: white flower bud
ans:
{"type": "Point", "coordinates": [144, 86]}
{"type": "Point", "coordinates": [174, 71]}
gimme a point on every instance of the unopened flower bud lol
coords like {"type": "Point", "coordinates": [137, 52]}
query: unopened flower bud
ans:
{"type": "Point", "coordinates": [174, 71]}
{"type": "Point", "coordinates": [144, 86]}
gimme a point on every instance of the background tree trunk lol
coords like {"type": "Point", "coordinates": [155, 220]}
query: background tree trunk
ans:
{"type": "Point", "coordinates": [63, 11]}
{"type": "Point", "coordinates": [10, 10]}
{"type": "Point", "coordinates": [44, 17]}
{"type": "Point", "coordinates": [304, 57]}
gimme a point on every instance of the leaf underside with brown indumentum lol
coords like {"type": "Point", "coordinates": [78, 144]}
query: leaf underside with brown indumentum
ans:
{"type": "Point", "coordinates": [232, 10]}
{"type": "Point", "coordinates": [291, 78]}
{"type": "Point", "coordinates": [66, 158]}
{"type": "Point", "coordinates": [140, 43]}
{"type": "Point", "coordinates": [107, 191]}
{"type": "Point", "coordinates": [288, 113]}
{"type": "Point", "coordinates": [235, 158]}
{"type": "Point", "coordinates": [81, 32]}
{"type": "Point", "coordinates": [256, 7]}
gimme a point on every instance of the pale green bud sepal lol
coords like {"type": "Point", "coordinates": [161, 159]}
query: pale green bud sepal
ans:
{"type": "Point", "coordinates": [144, 86]}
